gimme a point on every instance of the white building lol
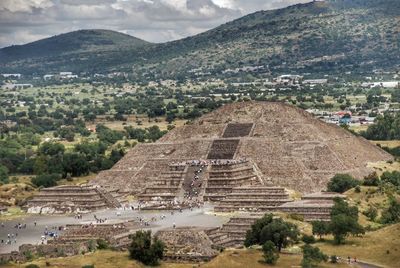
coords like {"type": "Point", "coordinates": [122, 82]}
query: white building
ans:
{"type": "Point", "coordinates": [11, 75]}
{"type": "Point", "coordinates": [16, 86]}
{"type": "Point", "coordinates": [48, 76]}
{"type": "Point", "coordinates": [315, 81]}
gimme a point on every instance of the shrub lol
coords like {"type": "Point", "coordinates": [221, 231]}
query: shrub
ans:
{"type": "Point", "coordinates": [341, 183]}
{"type": "Point", "coordinates": [88, 266]}
{"type": "Point", "coordinates": [3, 174]}
{"type": "Point", "coordinates": [308, 239]}
{"type": "Point", "coordinates": [391, 177]}
{"type": "Point", "coordinates": [357, 189]}
{"type": "Point", "coordinates": [28, 255]}
{"type": "Point", "coordinates": [32, 266]}
{"type": "Point", "coordinates": [46, 180]}
{"type": "Point", "coordinates": [102, 244]}
{"type": "Point", "coordinates": [312, 256]}
{"type": "Point", "coordinates": [320, 228]}
{"type": "Point", "coordinates": [270, 253]}
{"type": "Point", "coordinates": [371, 213]}
{"type": "Point", "coordinates": [296, 217]}
{"type": "Point", "coordinates": [344, 221]}
{"type": "Point", "coordinates": [145, 250]}
{"type": "Point", "coordinates": [392, 213]}
{"type": "Point", "coordinates": [267, 228]}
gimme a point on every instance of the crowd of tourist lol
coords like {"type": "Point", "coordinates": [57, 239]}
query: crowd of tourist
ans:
{"type": "Point", "coordinates": [208, 162]}
{"type": "Point", "coordinates": [12, 237]}
{"type": "Point", "coordinates": [193, 187]}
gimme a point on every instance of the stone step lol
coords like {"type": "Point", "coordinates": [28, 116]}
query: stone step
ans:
{"type": "Point", "coordinates": [249, 196]}
{"type": "Point", "coordinates": [229, 167]}
{"type": "Point", "coordinates": [64, 199]}
{"type": "Point", "coordinates": [76, 202]}
{"type": "Point", "coordinates": [159, 196]}
{"type": "Point", "coordinates": [218, 237]}
{"type": "Point", "coordinates": [236, 181]}
{"type": "Point", "coordinates": [161, 190]}
{"type": "Point", "coordinates": [229, 208]}
{"type": "Point", "coordinates": [258, 190]}
{"type": "Point", "coordinates": [57, 194]}
{"type": "Point", "coordinates": [229, 242]}
{"type": "Point", "coordinates": [254, 202]}
{"type": "Point", "coordinates": [233, 169]}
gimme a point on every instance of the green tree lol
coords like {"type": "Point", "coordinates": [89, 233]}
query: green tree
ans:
{"type": "Point", "coordinates": [320, 228]}
{"type": "Point", "coordinates": [51, 148]}
{"type": "Point", "coordinates": [154, 133]}
{"type": "Point", "coordinates": [312, 256]}
{"type": "Point", "coordinates": [75, 164]}
{"type": "Point", "coordinates": [341, 183]}
{"type": "Point", "coordinates": [308, 239]}
{"type": "Point", "coordinates": [270, 253]}
{"type": "Point", "coordinates": [344, 221]}
{"type": "Point", "coordinates": [136, 133]}
{"type": "Point", "coordinates": [146, 250]}
{"type": "Point", "coordinates": [386, 127]}
{"type": "Point", "coordinates": [67, 133]}
{"type": "Point", "coordinates": [45, 180]}
{"type": "Point", "coordinates": [278, 231]}
{"type": "Point", "coordinates": [391, 177]}
{"type": "Point", "coordinates": [3, 174]}
{"type": "Point", "coordinates": [371, 213]}
{"type": "Point", "coordinates": [392, 213]}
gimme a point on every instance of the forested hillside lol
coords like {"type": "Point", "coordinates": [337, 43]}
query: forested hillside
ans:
{"type": "Point", "coordinates": [336, 35]}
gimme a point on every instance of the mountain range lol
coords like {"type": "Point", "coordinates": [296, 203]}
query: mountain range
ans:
{"type": "Point", "coordinates": [320, 36]}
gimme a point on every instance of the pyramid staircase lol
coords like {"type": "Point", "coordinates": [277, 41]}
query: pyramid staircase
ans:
{"type": "Point", "coordinates": [223, 178]}
{"type": "Point", "coordinates": [253, 199]}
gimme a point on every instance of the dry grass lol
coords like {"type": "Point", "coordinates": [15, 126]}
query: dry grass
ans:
{"type": "Point", "coordinates": [380, 247]}
{"type": "Point", "coordinates": [359, 128]}
{"type": "Point", "coordinates": [368, 197]}
{"type": "Point", "coordinates": [20, 188]}
{"type": "Point", "coordinates": [12, 213]}
{"type": "Point", "coordinates": [390, 144]}
{"type": "Point", "coordinates": [382, 166]}
{"type": "Point", "coordinates": [78, 180]}
{"type": "Point", "coordinates": [227, 259]}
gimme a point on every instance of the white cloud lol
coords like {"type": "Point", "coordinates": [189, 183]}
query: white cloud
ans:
{"type": "Point", "coordinates": [24, 5]}
{"type": "Point", "coordinates": [24, 21]}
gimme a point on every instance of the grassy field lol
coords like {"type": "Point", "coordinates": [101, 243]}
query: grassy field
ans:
{"type": "Point", "coordinates": [12, 213]}
{"type": "Point", "coordinates": [228, 259]}
{"type": "Point", "coordinates": [368, 197]}
{"type": "Point", "coordinates": [390, 144]}
{"type": "Point", "coordinates": [382, 166]}
{"type": "Point", "coordinates": [380, 247]}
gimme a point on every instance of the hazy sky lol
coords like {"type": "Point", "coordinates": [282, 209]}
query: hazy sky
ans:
{"type": "Point", "coordinates": [23, 21]}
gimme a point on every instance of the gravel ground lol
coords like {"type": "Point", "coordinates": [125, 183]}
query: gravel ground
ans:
{"type": "Point", "coordinates": [201, 217]}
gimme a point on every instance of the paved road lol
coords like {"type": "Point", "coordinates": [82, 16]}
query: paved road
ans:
{"type": "Point", "coordinates": [202, 217]}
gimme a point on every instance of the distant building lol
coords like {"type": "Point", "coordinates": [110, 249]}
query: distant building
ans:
{"type": "Point", "coordinates": [388, 84]}
{"type": "Point", "coordinates": [289, 79]}
{"type": "Point", "coordinates": [48, 76]}
{"type": "Point", "coordinates": [315, 81]}
{"type": "Point", "coordinates": [67, 75]}
{"type": "Point", "coordinates": [11, 75]}
{"type": "Point", "coordinates": [16, 86]}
